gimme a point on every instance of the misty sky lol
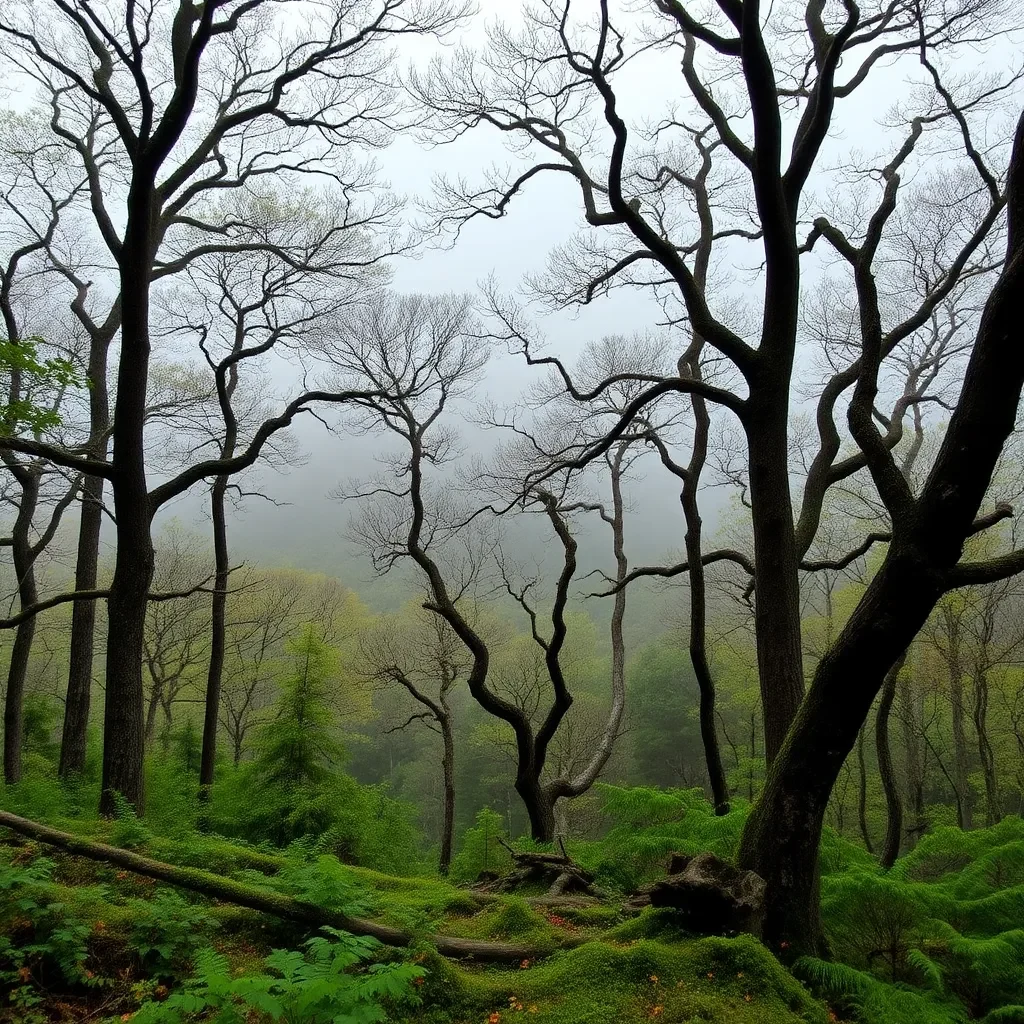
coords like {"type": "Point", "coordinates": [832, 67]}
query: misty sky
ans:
{"type": "Point", "coordinates": [308, 530]}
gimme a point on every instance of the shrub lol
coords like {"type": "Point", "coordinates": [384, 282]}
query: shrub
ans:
{"type": "Point", "coordinates": [480, 849]}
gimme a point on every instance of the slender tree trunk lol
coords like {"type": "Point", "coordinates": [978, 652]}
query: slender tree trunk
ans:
{"type": "Point", "coordinates": [909, 718]}
{"type": "Point", "coordinates": [123, 726]}
{"type": "Point", "coordinates": [83, 633]}
{"type": "Point", "coordinates": [993, 813]}
{"type": "Point", "coordinates": [83, 615]}
{"type": "Point", "coordinates": [777, 607]}
{"type": "Point", "coordinates": [17, 673]}
{"type": "Point", "coordinates": [211, 718]}
{"type": "Point", "coordinates": [893, 804]}
{"type": "Point", "coordinates": [862, 792]}
{"type": "Point", "coordinates": [152, 707]}
{"type": "Point", "coordinates": [691, 505]}
{"type": "Point", "coordinates": [448, 772]}
{"type": "Point", "coordinates": [961, 770]}
{"type": "Point", "coordinates": [14, 707]}
{"type": "Point", "coordinates": [698, 607]}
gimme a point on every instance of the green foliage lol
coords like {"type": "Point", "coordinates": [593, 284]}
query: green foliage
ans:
{"type": "Point", "coordinates": [944, 925]}
{"type": "Point", "coordinates": [662, 695]}
{"type": "Point", "coordinates": [187, 747]}
{"type": "Point", "coordinates": [37, 932]}
{"type": "Point", "coordinates": [296, 750]}
{"type": "Point", "coordinates": [41, 795]}
{"type": "Point", "coordinates": [315, 985]}
{"type": "Point", "coordinates": [873, 1002]}
{"type": "Point", "coordinates": [480, 849]}
{"type": "Point", "coordinates": [649, 824]}
{"type": "Point", "coordinates": [39, 719]}
{"type": "Point", "coordinates": [323, 881]}
{"type": "Point", "coordinates": [166, 930]}
{"type": "Point", "coordinates": [172, 792]}
{"type": "Point", "coordinates": [356, 823]}
{"type": "Point", "coordinates": [129, 830]}
{"type": "Point", "coordinates": [42, 380]}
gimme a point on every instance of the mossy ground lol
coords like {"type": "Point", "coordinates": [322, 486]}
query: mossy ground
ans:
{"type": "Point", "coordinates": [948, 917]}
{"type": "Point", "coordinates": [638, 971]}
{"type": "Point", "coordinates": [713, 980]}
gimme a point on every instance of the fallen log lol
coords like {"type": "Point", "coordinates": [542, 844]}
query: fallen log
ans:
{"type": "Point", "coordinates": [218, 887]}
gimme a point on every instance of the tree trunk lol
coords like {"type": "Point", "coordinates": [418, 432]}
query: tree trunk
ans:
{"type": "Point", "coordinates": [893, 804]}
{"type": "Point", "coordinates": [777, 603]}
{"type": "Point", "coordinates": [83, 615]}
{"type": "Point", "coordinates": [961, 755]}
{"type": "Point", "coordinates": [862, 793]}
{"type": "Point", "coordinates": [211, 718]}
{"type": "Point", "coordinates": [152, 707]}
{"type": "Point", "coordinates": [123, 729]}
{"type": "Point", "coordinates": [698, 608]}
{"type": "Point", "coordinates": [540, 808]}
{"type": "Point", "coordinates": [993, 813]}
{"type": "Point", "coordinates": [83, 632]}
{"type": "Point", "coordinates": [783, 832]}
{"type": "Point", "coordinates": [912, 751]}
{"type": "Point", "coordinates": [24, 568]}
{"type": "Point", "coordinates": [448, 772]}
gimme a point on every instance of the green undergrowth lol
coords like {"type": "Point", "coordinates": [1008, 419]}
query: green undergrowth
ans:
{"type": "Point", "coordinates": [939, 939]}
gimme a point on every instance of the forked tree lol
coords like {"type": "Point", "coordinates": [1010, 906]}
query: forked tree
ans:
{"type": "Point", "coordinates": [419, 356]}
{"type": "Point", "coordinates": [774, 84]}
{"type": "Point", "coordinates": [187, 101]}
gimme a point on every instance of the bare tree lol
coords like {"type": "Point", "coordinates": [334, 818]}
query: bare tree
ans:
{"type": "Point", "coordinates": [189, 104]}
{"type": "Point", "coordinates": [541, 85]}
{"type": "Point", "coordinates": [176, 637]}
{"type": "Point", "coordinates": [34, 195]}
{"type": "Point", "coordinates": [261, 615]}
{"type": "Point", "coordinates": [426, 662]}
{"type": "Point", "coordinates": [244, 307]}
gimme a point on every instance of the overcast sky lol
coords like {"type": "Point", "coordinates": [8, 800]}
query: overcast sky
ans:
{"type": "Point", "coordinates": [546, 214]}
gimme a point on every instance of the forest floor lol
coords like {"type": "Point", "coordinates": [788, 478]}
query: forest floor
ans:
{"type": "Point", "coordinates": [134, 937]}
{"type": "Point", "coordinates": [938, 940]}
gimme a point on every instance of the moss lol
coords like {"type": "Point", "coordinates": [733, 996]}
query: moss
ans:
{"type": "Point", "coordinates": [599, 983]}
{"type": "Point", "coordinates": [1006, 1015]}
{"type": "Point", "coordinates": [652, 923]}
{"type": "Point", "coordinates": [597, 916]}
{"type": "Point", "coordinates": [516, 920]}
{"type": "Point", "coordinates": [418, 904]}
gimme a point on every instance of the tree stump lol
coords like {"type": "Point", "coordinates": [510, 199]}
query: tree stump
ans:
{"type": "Point", "coordinates": [710, 896]}
{"type": "Point", "coordinates": [558, 870]}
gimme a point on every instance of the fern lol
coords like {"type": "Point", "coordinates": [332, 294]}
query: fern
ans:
{"type": "Point", "coordinates": [315, 985]}
{"type": "Point", "coordinates": [872, 1001]}
{"type": "Point", "coordinates": [929, 969]}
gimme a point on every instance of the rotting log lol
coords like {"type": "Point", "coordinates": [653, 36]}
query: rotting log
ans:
{"type": "Point", "coordinates": [218, 887]}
